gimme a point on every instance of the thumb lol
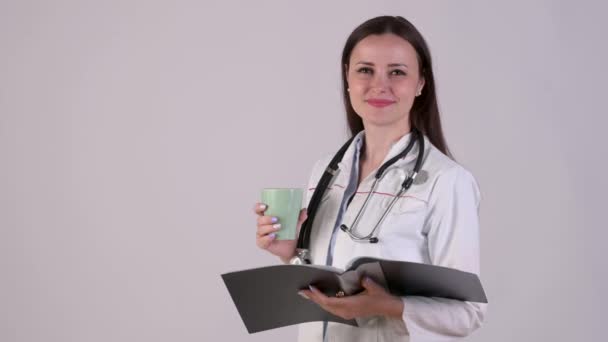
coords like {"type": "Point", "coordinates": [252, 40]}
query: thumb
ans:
{"type": "Point", "coordinates": [303, 216]}
{"type": "Point", "coordinates": [371, 285]}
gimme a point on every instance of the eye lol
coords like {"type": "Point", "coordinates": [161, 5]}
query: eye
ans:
{"type": "Point", "coordinates": [398, 72]}
{"type": "Point", "coordinates": [365, 70]}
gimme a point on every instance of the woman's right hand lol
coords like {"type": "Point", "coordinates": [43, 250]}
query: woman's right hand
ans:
{"type": "Point", "coordinates": [266, 234]}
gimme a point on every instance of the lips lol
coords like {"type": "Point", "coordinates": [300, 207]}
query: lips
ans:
{"type": "Point", "coordinates": [380, 102]}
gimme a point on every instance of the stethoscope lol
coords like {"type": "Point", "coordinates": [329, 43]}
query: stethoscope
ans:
{"type": "Point", "coordinates": [302, 249]}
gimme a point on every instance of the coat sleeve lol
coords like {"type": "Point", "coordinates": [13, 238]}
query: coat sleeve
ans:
{"type": "Point", "coordinates": [452, 228]}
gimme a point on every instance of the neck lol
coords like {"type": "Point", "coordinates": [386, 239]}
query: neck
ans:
{"type": "Point", "coordinates": [378, 142]}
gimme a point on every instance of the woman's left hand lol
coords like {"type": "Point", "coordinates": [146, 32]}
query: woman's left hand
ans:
{"type": "Point", "coordinates": [373, 301]}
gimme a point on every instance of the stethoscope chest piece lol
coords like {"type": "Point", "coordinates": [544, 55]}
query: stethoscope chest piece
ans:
{"type": "Point", "coordinates": [302, 257]}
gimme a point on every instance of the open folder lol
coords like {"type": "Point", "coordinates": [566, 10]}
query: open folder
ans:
{"type": "Point", "coordinates": [267, 297]}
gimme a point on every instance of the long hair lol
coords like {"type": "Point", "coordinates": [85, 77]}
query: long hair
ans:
{"type": "Point", "coordinates": [424, 114]}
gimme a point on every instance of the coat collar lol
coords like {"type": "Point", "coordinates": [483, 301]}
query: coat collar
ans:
{"type": "Point", "coordinates": [345, 165]}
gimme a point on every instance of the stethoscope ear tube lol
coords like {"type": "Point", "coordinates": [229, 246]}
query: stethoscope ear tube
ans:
{"type": "Point", "coordinates": [410, 180]}
{"type": "Point", "coordinates": [402, 154]}
{"type": "Point", "coordinates": [315, 200]}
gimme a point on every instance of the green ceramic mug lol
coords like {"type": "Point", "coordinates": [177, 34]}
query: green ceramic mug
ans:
{"type": "Point", "coordinates": [285, 204]}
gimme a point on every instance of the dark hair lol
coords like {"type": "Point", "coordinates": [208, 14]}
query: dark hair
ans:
{"type": "Point", "coordinates": [424, 114]}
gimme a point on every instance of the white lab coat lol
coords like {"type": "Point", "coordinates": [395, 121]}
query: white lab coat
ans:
{"type": "Point", "coordinates": [435, 222]}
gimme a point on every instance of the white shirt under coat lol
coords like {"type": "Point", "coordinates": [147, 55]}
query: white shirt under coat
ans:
{"type": "Point", "coordinates": [435, 222]}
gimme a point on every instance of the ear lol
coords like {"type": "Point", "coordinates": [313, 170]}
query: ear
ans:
{"type": "Point", "coordinates": [421, 84]}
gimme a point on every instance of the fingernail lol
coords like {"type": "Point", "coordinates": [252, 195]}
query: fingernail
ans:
{"type": "Point", "coordinates": [274, 219]}
{"type": "Point", "coordinates": [303, 295]}
{"type": "Point", "coordinates": [262, 206]}
{"type": "Point", "coordinates": [276, 226]}
{"type": "Point", "coordinates": [312, 288]}
{"type": "Point", "coordinates": [272, 235]}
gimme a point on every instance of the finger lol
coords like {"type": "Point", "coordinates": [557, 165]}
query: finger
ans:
{"type": "Point", "coordinates": [319, 296]}
{"type": "Point", "coordinates": [371, 285]}
{"type": "Point", "coordinates": [310, 295]}
{"type": "Point", "coordinates": [305, 294]}
{"type": "Point", "coordinates": [303, 216]}
{"type": "Point", "coordinates": [259, 208]}
{"type": "Point", "coordinates": [265, 241]}
{"type": "Point", "coordinates": [267, 229]}
{"type": "Point", "coordinates": [335, 306]}
{"type": "Point", "coordinates": [262, 220]}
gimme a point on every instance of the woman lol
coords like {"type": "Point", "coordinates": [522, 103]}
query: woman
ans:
{"type": "Point", "coordinates": [389, 95]}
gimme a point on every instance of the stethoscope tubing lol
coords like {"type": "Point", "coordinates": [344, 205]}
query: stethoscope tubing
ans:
{"type": "Point", "coordinates": [302, 247]}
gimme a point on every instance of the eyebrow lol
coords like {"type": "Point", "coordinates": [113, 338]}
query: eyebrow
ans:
{"type": "Point", "coordinates": [390, 65]}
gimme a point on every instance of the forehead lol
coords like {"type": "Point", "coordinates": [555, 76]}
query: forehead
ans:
{"type": "Point", "coordinates": [384, 49]}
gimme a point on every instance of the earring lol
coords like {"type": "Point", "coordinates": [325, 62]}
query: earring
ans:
{"type": "Point", "coordinates": [419, 92]}
{"type": "Point", "coordinates": [348, 89]}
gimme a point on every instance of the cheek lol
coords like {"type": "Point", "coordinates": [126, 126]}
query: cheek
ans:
{"type": "Point", "coordinates": [357, 92]}
{"type": "Point", "coordinates": [405, 88]}
{"type": "Point", "coordinates": [357, 84]}
{"type": "Point", "coordinates": [406, 92]}
{"type": "Point", "coordinates": [357, 100]}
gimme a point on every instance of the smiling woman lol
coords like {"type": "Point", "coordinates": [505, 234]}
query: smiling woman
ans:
{"type": "Point", "coordinates": [391, 109]}
{"type": "Point", "coordinates": [381, 85]}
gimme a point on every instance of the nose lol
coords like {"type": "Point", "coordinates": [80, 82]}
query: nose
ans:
{"type": "Point", "coordinates": [379, 83]}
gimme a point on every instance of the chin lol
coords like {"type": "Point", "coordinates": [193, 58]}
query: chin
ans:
{"type": "Point", "coordinates": [378, 118]}
{"type": "Point", "coordinates": [379, 122]}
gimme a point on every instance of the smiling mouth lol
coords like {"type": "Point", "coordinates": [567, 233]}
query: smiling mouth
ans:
{"type": "Point", "coordinates": [380, 102]}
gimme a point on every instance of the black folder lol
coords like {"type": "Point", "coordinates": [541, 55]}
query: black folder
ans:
{"type": "Point", "coordinates": [267, 297]}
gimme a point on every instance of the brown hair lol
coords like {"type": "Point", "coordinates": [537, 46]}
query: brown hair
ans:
{"type": "Point", "coordinates": [424, 114]}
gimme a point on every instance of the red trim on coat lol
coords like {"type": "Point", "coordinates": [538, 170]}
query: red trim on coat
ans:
{"type": "Point", "coordinates": [375, 193]}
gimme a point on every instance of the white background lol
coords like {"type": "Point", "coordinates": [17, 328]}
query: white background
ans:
{"type": "Point", "coordinates": [135, 137]}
